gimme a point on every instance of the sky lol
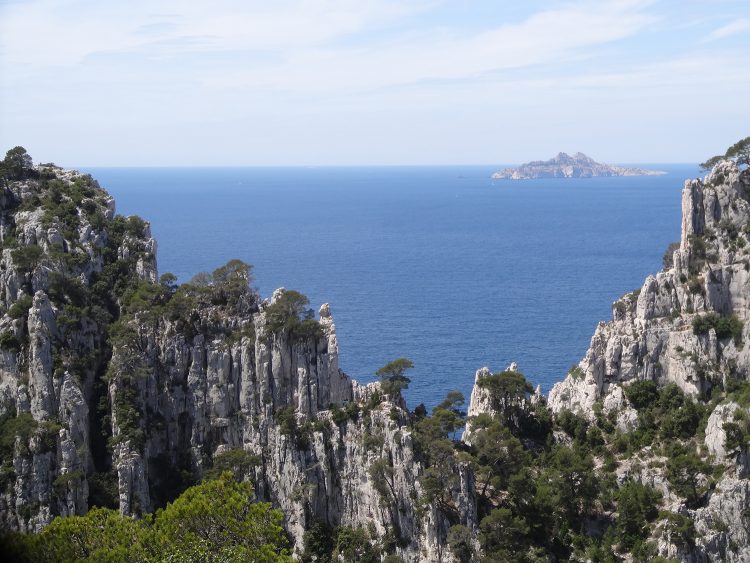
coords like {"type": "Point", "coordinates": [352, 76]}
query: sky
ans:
{"type": "Point", "coordinates": [372, 82]}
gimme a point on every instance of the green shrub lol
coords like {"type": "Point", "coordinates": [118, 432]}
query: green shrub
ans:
{"type": "Point", "coordinates": [289, 314]}
{"type": "Point", "coordinates": [573, 425]}
{"type": "Point", "coordinates": [9, 342]}
{"type": "Point", "coordinates": [738, 390]}
{"type": "Point", "coordinates": [214, 521]}
{"type": "Point", "coordinates": [236, 460]}
{"type": "Point", "coordinates": [682, 422]}
{"type": "Point", "coordinates": [349, 412]}
{"type": "Point", "coordinates": [670, 397]}
{"type": "Point", "coordinates": [26, 258]}
{"type": "Point", "coordinates": [461, 541]}
{"type": "Point", "coordinates": [134, 226]}
{"type": "Point", "coordinates": [287, 420]}
{"type": "Point", "coordinates": [725, 326]}
{"type": "Point", "coordinates": [737, 436]}
{"type": "Point", "coordinates": [104, 490]}
{"type": "Point", "coordinates": [679, 529]}
{"type": "Point", "coordinates": [22, 426]}
{"type": "Point", "coordinates": [62, 481]}
{"type": "Point", "coordinates": [355, 544]}
{"type": "Point", "coordinates": [319, 542]}
{"type": "Point", "coordinates": [684, 471]}
{"type": "Point", "coordinates": [575, 371]}
{"type": "Point", "coordinates": [48, 432]}
{"type": "Point", "coordinates": [129, 416]}
{"type": "Point", "coordinates": [636, 508]}
{"type": "Point", "coordinates": [372, 442]}
{"type": "Point", "coordinates": [641, 394]}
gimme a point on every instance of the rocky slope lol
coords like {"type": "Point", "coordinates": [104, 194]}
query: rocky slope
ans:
{"type": "Point", "coordinates": [565, 166]}
{"type": "Point", "coordinates": [686, 326]}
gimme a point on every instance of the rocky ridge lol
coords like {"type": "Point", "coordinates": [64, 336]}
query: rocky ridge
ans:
{"type": "Point", "coordinates": [176, 377]}
{"type": "Point", "coordinates": [687, 326]}
{"type": "Point", "coordinates": [565, 166]}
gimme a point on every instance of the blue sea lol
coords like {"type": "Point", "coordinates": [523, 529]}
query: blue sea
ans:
{"type": "Point", "coordinates": [438, 264]}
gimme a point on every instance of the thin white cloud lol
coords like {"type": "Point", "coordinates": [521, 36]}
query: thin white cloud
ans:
{"type": "Point", "coordinates": [64, 32]}
{"type": "Point", "coordinates": [733, 28]}
{"type": "Point", "coordinates": [327, 81]}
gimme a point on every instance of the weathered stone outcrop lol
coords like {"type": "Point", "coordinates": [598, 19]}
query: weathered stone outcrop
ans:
{"type": "Point", "coordinates": [652, 335]}
{"type": "Point", "coordinates": [480, 401]}
{"type": "Point", "coordinates": [58, 237]}
{"type": "Point", "coordinates": [203, 396]}
{"type": "Point", "coordinates": [688, 326]}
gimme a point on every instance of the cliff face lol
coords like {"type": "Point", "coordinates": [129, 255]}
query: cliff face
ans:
{"type": "Point", "coordinates": [281, 397]}
{"type": "Point", "coordinates": [116, 390]}
{"type": "Point", "coordinates": [687, 326]}
{"type": "Point", "coordinates": [670, 329]}
{"type": "Point", "coordinates": [55, 243]}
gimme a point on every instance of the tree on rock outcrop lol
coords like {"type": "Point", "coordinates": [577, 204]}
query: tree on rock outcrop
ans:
{"type": "Point", "coordinates": [392, 375]}
{"type": "Point", "coordinates": [739, 152]}
{"type": "Point", "coordinates": [290, 314]}
{"type": "Point", "coordinates": [508, 391]}
{"type": "Point", "coordinates": [17, 164]}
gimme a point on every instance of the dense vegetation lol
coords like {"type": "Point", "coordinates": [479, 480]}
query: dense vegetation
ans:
{"type": "Point", "coordinates": [539, 493]}
{"type": "Point", "coordinates": [547, 485]}
{"type": "Point", "coordinates": [17, 165]}
{"type": "Point", "coordinates": [216, 521]}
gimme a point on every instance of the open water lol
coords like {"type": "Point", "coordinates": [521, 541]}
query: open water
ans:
{"type": "Point", "coordinates": [438, 264]}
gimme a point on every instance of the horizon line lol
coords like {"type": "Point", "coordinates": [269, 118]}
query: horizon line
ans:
{"type": "Point", "coordinates": [417, 165]}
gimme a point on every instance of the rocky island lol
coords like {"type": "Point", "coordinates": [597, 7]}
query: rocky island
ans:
{"type": "Point", "coordinates": [565, 166]}
{"type": "Point", "coordinates": [142, 420]}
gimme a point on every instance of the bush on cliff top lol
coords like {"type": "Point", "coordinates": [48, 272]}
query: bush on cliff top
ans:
{"type": "Point", "coordinates": [289, 314]}
{"type": "Point", "coordinates": [17, 164]}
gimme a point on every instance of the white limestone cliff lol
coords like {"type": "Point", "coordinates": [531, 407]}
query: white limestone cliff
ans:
{"type": "Point", "coordinates": [651, 335]}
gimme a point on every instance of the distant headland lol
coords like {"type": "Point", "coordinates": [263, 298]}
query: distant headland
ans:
{"type": "Point", "coordinates": [565, 166]}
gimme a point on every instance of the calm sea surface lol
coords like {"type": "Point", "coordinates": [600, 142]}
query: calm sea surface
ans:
{"type": "Point", "coordinates": [438, 264]}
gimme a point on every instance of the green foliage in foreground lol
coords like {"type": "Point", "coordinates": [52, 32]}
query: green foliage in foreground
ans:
{"type": "Point", "coordinates": [216, 521]}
